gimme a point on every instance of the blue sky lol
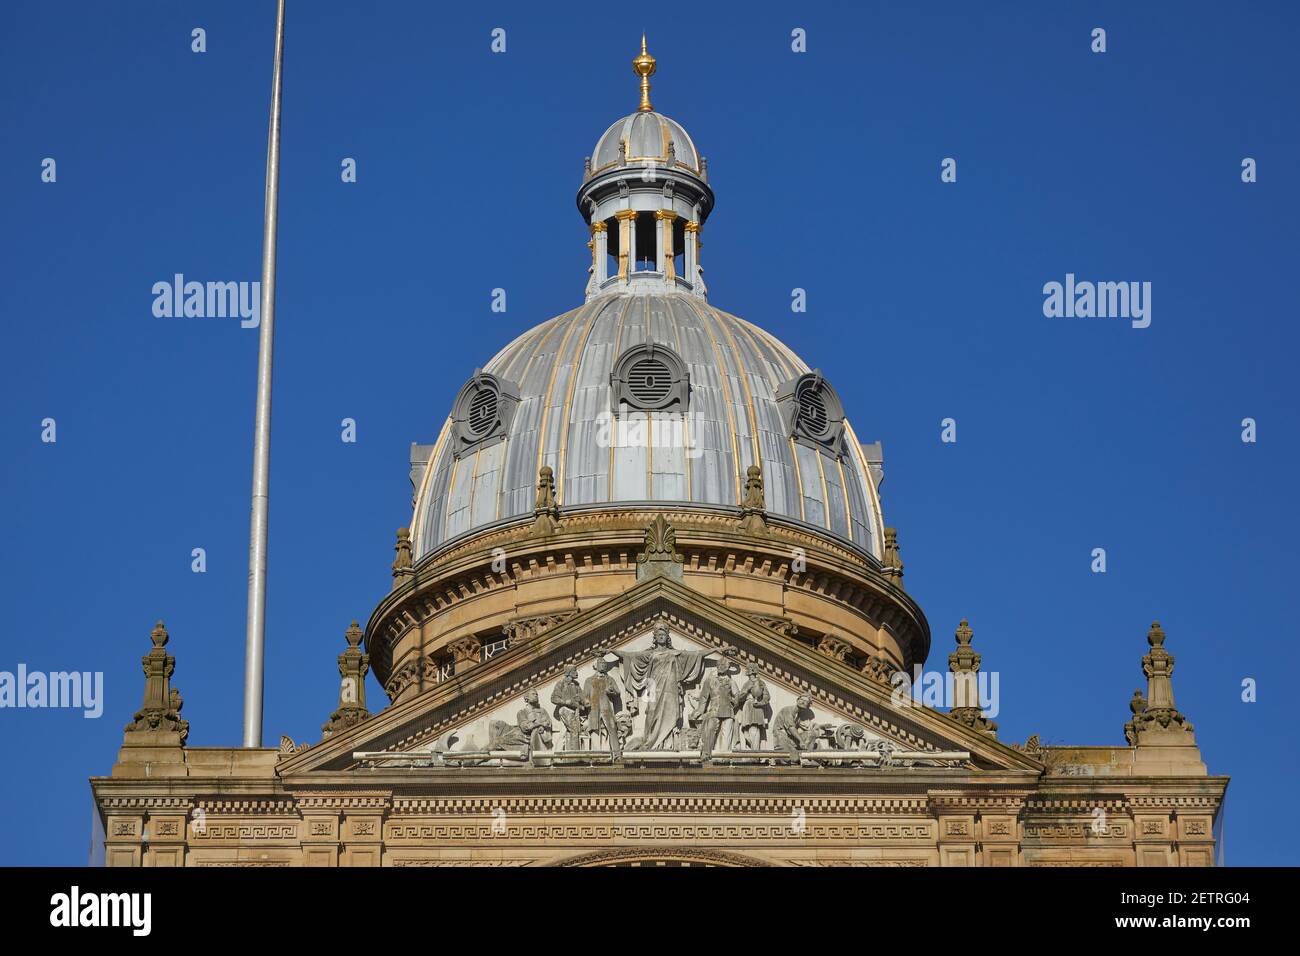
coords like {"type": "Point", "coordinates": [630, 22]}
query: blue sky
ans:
{"type": "Point", "coordinates": [924, 302]}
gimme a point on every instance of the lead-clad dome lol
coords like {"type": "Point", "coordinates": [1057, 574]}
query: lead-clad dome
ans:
{"type": "Point", "coordinates": [646, 398]}
{"type": "Point", "coordinates": [649, 136]}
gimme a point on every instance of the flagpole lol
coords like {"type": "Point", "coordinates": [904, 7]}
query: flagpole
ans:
{"type": "Point", "coordinates": [256, 632]}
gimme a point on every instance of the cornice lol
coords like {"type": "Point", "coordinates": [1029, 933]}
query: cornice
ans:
{"type": "Point", "coordinates": [606, 539]}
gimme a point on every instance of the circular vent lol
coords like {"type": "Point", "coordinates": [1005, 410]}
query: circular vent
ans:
{"type": "Point", "coordinates": [812, 411]}
{"type": "Point", "coordinates": [650, 382]}
{"type": "Point", "coordinates": [482, 412]}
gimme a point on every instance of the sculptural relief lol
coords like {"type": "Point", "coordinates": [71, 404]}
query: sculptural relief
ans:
{"type": "Point", "coordinates": [532, 730]}
{"type": "Point", "coordinates": [567, 698]}
{"type": "Point", "coordinates": [755, 710]}
{"type": "Point", "coordinates": [659, 693]}
{"type": "Point", "coordinates": [661, 673]}
{"type": "Point", "coordinates": [600, 694]}
{"type": "Point", "coordinates": [793, 729]}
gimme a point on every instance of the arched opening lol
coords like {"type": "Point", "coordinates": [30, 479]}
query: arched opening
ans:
{"type": "Point", "coordinates": [661, 857]}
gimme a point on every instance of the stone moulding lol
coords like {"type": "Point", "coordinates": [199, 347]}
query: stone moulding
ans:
{"type": "Point", "coordinates": [606, 542]}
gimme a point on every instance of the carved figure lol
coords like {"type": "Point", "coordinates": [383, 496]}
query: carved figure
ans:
{"type": "Point", "coordinates": [660, 671]}
{"type": "Point", "coordinates": [717, 706]}
{"type": "Point", "coordinates": [600, 694]}
{"type": "Point", "coordinates": [532, 732]}
{"type": "Point", "coordinates": [569, 707]}
{"type": "Point", "coordinates": [793, 729]}
{"type": "Point", "coordinates": [756, 710]}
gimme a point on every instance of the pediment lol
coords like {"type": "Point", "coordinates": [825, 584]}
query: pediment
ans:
{"type": "Point", "coordinates": [474, 715]}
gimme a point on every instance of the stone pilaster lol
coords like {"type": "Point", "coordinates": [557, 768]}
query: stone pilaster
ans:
{"type": "Point", "coordinates": [165, 838]}
{"type": "Point", "coordinates": [956, 829]}
{"type": "Point", "coordinates": [363, 831]}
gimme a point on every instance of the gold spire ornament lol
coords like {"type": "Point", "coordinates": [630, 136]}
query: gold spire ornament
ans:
{"type": "Point", "coordinates": [644, 67]}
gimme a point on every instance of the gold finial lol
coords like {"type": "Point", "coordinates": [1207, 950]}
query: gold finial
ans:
{"type": "Point", "coordinates": [644, 67]}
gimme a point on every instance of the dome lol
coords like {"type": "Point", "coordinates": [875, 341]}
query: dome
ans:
{"type": "Point", "coordinates": [646, 398]}
{"type": "Point", "coordinates": [649, 136]}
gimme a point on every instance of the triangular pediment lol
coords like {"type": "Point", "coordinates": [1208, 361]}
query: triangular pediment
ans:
{"type": "Point", "coordinates": [481, 710]}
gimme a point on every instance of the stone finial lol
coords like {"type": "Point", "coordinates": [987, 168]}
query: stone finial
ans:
{"type": "Point", "coordinates": [659, 556]}
{"type": "Point", "coordinates": [160, 711]}
{"type": "Point", "coordinates": [753, 505]}
{"type": "Point", "coordinates": [964, 663]}
{"type": "Point", "coordinates": [546, 511]}
{"type": "Point", "coordinates": [1137, 705]}
{"type": "Point", "coordinates": [893, 563]}
{"type": "Point", "coordinates": [353, 667]}
{"type": "Point", "coordinates": [1155, 718]}
{"type": "Point", "coordinates": [402, 563]}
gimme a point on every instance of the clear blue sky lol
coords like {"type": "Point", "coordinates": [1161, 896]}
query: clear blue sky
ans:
{"type": "Point", "coordinates": [924, 302]}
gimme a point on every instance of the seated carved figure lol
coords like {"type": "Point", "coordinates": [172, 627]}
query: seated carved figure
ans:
{"type": "Point", "coordinates": [532, 732]}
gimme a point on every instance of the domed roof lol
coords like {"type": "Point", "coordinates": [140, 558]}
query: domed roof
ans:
{"type": "Point", "coordinates": [648, 399]}
{"type": "Point", "coordinates": [649, 136]}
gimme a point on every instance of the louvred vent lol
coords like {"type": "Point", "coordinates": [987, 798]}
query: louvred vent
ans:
{"type": "Point", "coordinates": [482, 411]}
{"type": "Point", "coordinates": [812, 411]}
{"type": "Point", "coordinates": [649, 382]}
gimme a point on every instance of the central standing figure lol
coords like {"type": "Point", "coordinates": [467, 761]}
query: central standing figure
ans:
{"type": "Point", "coordinates": [661, 671]}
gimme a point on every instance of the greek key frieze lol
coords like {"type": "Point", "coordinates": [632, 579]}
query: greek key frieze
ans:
{"type": "Point", "coordinates": [246, 831]}
{"type": "Point", "coordinates": [684, 832]}
{"type": "Point", "coordinates": [1074, 831]}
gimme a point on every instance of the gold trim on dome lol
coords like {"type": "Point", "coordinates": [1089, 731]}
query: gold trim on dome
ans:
{"type": "Point", "coordinates": [749, 401]}
{"type": "Point", "coordinates": [662, 214]}
{"type": "Point", "coordinates": [618, 350]}
{"type": "Point", "coordinates": [599, 226]}
{"type": "Point", "coordinates": [622, 214]}
{"type": "Point", "coordinates": [706, 321]}
{"type": "Point", "coordinates": [692, 226]}
{"type": "Point", "coordinates": [826, 493]}
{"type": "Point", "coordinates": [844, 490]}
{"type": "Point", "coordinates": [546, 398]}
{"type": "Point", "coordinates": [657, 160]}
{"type": "Point", "coordinates": [579, 354]}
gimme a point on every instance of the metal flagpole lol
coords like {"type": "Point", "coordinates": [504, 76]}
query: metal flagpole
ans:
{"type": "Point", "coordinates": [253, 655]}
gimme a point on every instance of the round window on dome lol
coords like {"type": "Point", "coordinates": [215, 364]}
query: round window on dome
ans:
{"type": "Point", "coordinates": [813, 416]}
{"type": "Point", "coordinates": [813, 412]}
{"type": "Point", "coordinates": [482, 413]}
{"type": "Point", "coordinates": [649, 378]}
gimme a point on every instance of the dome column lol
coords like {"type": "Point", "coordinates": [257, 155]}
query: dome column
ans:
{"type": "Point", "coordinates": [691, 255]}
{"type": "Point", "coordinates": [626, 241]}
{"type": "Point", "coordinates": [664, 243]}
{"type": "Point", "coordinates": [599, 253]}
